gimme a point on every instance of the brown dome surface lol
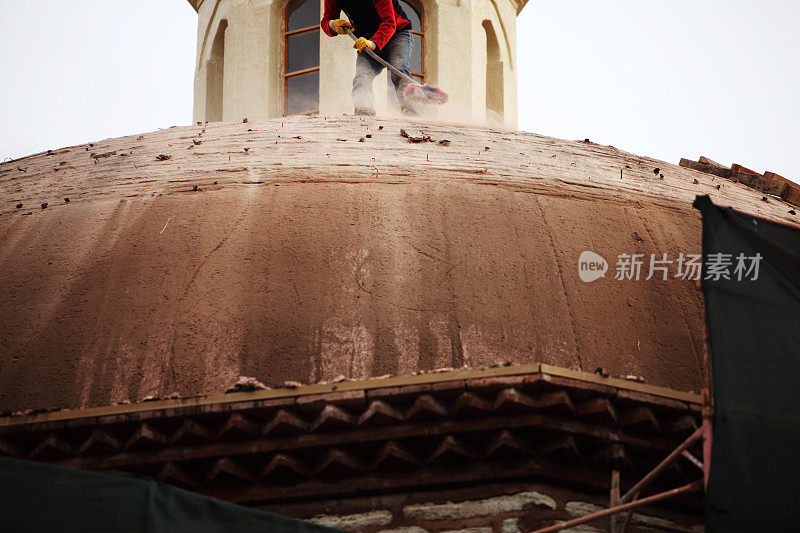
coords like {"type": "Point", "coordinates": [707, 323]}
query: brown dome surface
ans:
{"type": "Point", "coordinates": [312, 255]}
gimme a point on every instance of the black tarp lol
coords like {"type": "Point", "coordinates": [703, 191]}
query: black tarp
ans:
{"type": "Point", "coordinates": [754, 343]}
{"type": "Point", "coordinates": [40, 498]}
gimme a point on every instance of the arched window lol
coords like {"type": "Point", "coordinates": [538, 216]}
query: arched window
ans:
{"type": "Point", "coordinates": [494, 76]}
{"type": "Point", "coordinates": [301, 57]}
{"type": "Point", "coordinates": [415, 16]}
{"type": "Point", "coordinates": [215, 75]}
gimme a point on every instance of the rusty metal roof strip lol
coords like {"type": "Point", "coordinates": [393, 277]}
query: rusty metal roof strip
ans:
{"type": "Point", "coordinates": [368, 384]}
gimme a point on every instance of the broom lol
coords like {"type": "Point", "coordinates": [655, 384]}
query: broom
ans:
{"type": "Point", "coordinates": [414, 92]}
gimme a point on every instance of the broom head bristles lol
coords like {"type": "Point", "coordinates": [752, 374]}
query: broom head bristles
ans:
{"type": "Point", "coordinates": [424, 94]}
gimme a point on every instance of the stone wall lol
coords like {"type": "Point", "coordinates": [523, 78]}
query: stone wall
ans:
{"type": "Point", "coordinates": [482, 509]}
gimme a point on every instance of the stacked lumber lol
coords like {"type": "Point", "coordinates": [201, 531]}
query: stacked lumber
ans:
{"type": "Point", "coordinates": [768, 183]}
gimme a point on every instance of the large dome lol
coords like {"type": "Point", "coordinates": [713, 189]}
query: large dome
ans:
{"type": "Point", "coordinates": [321, 247]}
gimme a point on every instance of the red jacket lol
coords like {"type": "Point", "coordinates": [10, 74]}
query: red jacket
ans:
{"type": "Point", "coordinates": [377, 20]}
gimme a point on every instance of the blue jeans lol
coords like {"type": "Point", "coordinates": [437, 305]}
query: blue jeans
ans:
{"type": "Point", "coordinates": [397, 52]}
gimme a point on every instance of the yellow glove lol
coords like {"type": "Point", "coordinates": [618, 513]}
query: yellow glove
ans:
{"type": "Point", "coordinates": [339, 25]}
{"type": "Point", "coordinates": [362, 43]}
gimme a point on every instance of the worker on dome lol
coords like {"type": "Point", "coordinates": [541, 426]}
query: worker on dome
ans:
{"type": "Point", "coordinates": [383, 27]}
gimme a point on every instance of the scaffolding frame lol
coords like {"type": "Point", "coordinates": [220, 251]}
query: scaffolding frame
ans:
{"type": "Point", "coordinates": [630, 500]}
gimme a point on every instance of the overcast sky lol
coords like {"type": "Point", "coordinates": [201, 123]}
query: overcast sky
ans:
{"type": "Point", "coordinates": [667, 79]}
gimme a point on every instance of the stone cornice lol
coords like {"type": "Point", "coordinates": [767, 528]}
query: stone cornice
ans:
{"type": "Point", "coordinates": [346, 438]}
{"type": "Point", "coordinates": [518, 4]}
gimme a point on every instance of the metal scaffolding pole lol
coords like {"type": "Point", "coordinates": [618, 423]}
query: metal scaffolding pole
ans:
{"type": "Point", "coordinates": [676, 453]}
{"type": "Point", "coordinates": [691, 487]}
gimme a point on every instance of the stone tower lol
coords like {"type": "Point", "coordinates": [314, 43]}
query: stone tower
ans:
{"type": "Point", "coordinates": [263, 59]}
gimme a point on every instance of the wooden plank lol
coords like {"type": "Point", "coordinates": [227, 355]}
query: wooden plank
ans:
{"type": "Point", "coordinates": [775, 176]}
{"type": "Point", "coordinates": [706, 161]}
{"type": "Point", "coordinates": [774, 184]}
{"type": "Point", "coordinates": [707, 168]}
{"type": "Point", "coordinates": [736, 167]}
{"type": "Point", "coordinates": [790, 191]}
{"type": "Point", "coordinates": [761, 183]}
{"type": "Point", "coordinates": [768, 183]}
{"type": "Point", "coordinates": [792, 194]}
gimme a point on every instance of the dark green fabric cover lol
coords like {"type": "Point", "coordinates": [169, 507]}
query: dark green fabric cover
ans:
{"type": "Point", "coordinates": [36, 497]}
{"type": "Point", "coordinates": [754, 342]}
